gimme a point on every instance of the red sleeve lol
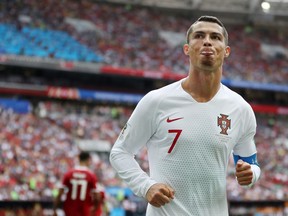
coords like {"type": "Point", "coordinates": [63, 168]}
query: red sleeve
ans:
{"type": "Point", "coordinates": [94, 180]}
{"type": "Point", "coordinates": [66, 179]}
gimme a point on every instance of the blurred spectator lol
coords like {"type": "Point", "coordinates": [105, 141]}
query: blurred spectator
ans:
{"type": "Point", "coordinates": [129, 206]}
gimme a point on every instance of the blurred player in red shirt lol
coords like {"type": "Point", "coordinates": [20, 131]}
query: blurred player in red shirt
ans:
{"type": "Point", "coordinates": [79, 186]}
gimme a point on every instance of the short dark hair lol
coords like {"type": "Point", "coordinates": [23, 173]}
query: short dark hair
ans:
{"type": "Point", "coordinates": [211, 19]}
{"type": "Point", "coordinates": [84, 156]}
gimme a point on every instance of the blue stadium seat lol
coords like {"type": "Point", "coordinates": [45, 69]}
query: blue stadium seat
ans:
{"type": "Point", "coordinates": [44, 43]}
{"type": "Point", "coordinates": [117, 212]}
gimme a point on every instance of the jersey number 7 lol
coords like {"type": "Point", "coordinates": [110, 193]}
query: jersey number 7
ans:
{"type": "Point", "coordinates": [178, 132]}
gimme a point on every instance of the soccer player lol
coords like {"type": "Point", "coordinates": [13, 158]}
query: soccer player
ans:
{"type": "Point", "coordinates": [190, 129]}
{"type": "Point", "coordinates": [80, 186]}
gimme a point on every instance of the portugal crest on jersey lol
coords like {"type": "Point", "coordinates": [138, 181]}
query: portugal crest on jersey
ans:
{"type": "Point", "coordinates": [224, 123]}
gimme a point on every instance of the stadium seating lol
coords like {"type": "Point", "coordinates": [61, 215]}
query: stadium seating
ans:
{"type": "Point", "coordinates": [44, 43]}
{"type": "Point", "coordinates": [137, 40]}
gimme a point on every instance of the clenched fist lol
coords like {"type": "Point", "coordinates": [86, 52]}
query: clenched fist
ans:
{"type": "Point", "coordinates": [244, 173]}
{"type": "Point", "coordinates": [159, 194]}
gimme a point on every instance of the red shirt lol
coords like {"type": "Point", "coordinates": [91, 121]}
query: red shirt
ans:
{"type": "Point", "coordinates": [80, 183]}
{"type": "Point", "coordinates": [99, 210]}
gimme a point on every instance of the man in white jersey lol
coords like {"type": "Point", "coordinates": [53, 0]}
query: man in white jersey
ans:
{"type": "Point", "coordinates": [190, 128]}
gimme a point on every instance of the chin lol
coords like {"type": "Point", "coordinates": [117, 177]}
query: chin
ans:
{"type": "Point", "coordinates": [207, 63]}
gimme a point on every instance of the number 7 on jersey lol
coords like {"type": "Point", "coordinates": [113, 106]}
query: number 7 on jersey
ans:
{"type": "Point", "coordinates": [178, 132]}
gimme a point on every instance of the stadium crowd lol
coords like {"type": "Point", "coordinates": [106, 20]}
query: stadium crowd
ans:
{"type": "Point", "coordinates": [132, 37]}
{"type": "Point", "coordinates": [37, 148]}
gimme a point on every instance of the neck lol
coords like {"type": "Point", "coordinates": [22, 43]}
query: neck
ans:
{"type": "Point", "coordinates": [202, 85]}
{"type": "Point", "coordinates": [83, 163]}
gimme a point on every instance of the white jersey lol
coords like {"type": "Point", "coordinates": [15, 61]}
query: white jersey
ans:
{"type": "Point", "coordinates": [189, 145]}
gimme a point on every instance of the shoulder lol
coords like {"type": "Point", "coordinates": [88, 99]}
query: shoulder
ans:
{"type": "Point", "coordinates": [233, 97]}
{"type": "Point", "coordinates": [68, 175]}
{"type": "Point", "coordinates": [88, 172]}
{"type": "Point", "coordinates": [69, 172]}
{"type": "Point", "coordinates": [236, 100]}
{"type": "Point", "coordinates": [149, 106]}
{"type": "Point", "coordinates": [160, 94]}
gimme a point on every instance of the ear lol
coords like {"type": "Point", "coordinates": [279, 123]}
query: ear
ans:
{"type": "Point", "coordinates": [186, 48]}
{"type": "Point", "coordinates": [227, 51]}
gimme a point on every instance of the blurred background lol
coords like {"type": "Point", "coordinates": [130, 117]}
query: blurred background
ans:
{"type": "Point", "coordinates": [72, 71]}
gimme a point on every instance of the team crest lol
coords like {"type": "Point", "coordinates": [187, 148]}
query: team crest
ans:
{"type": "Point", "coordinates": [224, 123]}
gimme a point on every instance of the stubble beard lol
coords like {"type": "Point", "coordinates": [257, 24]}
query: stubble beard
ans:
{"type": "Point", "coordinates": [207, 64]}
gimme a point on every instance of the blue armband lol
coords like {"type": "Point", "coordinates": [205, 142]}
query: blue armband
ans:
{"type": "Point", "coordinates": [251, 159]}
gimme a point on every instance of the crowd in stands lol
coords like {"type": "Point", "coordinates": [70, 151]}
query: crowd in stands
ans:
{"type": "Point", "coordinates": [129, 36]}
{"type": "Point", "coordinates": [37, 148]}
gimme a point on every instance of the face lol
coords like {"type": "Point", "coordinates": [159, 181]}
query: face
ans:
{"type": "Point", "coordinates": [207, 48]}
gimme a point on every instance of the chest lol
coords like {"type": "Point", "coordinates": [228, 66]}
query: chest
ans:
{"type": "Point", "coordinates": [198, 127]}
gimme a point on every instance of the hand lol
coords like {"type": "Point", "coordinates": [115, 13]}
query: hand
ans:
{"type": "Point", "coordinates": [244, 173]}
{"type": "Point", "coordinates": [159, 194]}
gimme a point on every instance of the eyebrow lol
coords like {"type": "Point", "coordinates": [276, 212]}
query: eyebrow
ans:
{"type": "Point", "coordinates": [198, 32]}
{"type": "Point", "coordinates": [216, 33]}
{"type": "Point", "coordinates": [212, 33]}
